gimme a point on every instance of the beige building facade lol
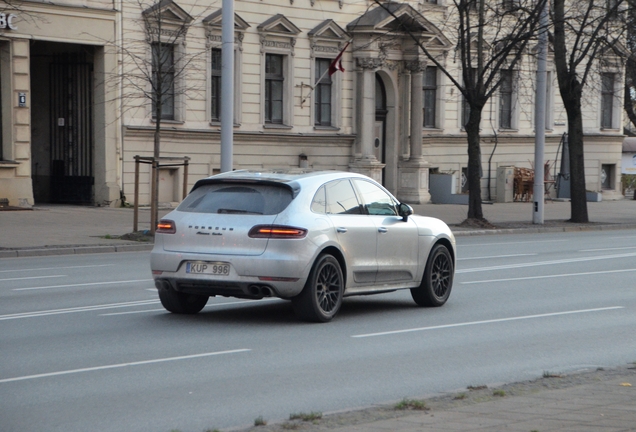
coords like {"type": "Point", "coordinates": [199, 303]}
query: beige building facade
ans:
{"type": "Point", "coordinates": [59, 128]}
{"type": "Point", "coordinates": [390, 114]}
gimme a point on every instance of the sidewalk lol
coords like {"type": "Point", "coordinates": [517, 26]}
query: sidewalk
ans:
{"type": "Point", "coordinates": [589, 401]}
{"type": "Point", "coordinates": [65, 229]}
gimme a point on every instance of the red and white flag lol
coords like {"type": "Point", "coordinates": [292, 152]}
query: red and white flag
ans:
{"type": "Point", "coordinates": [336, 64]}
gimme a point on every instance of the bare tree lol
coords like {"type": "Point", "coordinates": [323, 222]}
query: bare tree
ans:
{"type": "Point", "coordinates": [156, 66]}
{"type": "Point", "coordinates": [491, 37]}
{"type": "Point", "coordinates": [584, 32]}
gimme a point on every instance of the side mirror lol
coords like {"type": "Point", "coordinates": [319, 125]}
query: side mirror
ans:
{"type": "Point", "coordinates": [405, 211]}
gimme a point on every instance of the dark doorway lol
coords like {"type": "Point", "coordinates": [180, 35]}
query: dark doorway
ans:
{"type": "Point", "coordinates": [380, 122]}
{"type": "Point", "coordinates": [62, 129]}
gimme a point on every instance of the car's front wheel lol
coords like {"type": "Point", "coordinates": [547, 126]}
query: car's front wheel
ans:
{"type": "Point", "coordinates": [438, 279]}
{"type": "Point", "coordinates": [321, 298]}
{"type": "Point", "coordinates": [181, 303]}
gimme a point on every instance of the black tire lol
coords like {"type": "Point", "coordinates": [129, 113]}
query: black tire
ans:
{"type": "Point", "coordinates": [321, 298]}
{"type": "Point", "coordinates": [181, 303]}
{"type": "Point", "coordinates": [438, 279]}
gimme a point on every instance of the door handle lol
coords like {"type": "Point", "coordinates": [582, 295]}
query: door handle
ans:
{"type": "Point", "coordinates": [382, 230]}
{"type": "Point", "coordinates": [341, 230]}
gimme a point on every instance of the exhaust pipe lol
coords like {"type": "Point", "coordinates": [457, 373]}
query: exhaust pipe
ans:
{"type": "Point", "coordinates": [260, 290]}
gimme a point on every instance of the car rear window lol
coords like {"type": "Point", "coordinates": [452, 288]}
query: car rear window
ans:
{"type": "Point", "coordinates": [237, 199]}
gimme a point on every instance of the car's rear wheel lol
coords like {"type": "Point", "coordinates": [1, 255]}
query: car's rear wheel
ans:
{"type": "Point", "coordinates": [321, 298]}
{"type": "Point", "coordinates": [181, 303]}
{"type": "Point", "coordinates": [438, 279]}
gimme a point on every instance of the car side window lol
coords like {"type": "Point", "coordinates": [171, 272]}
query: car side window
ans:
{"type": "Point", "coordinates": [341, 198]}
{"type": "Point", "coordinates": [377, 201]}
{"type": "Point", "coordinates": [319, 203]}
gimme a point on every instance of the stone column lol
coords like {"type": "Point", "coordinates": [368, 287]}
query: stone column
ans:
{"type": "Point", "coordinates": [417, 114]}
{"type": "Point", "coordinates": [367, 164]}
{"type": "Point", "coordinates": [413, 173]}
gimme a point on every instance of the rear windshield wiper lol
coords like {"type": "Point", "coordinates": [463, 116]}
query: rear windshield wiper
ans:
{"type": "Point", "coordinates": [235, 211]}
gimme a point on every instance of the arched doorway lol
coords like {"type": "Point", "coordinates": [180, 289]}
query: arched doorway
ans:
{"type": "Point", "coordinates": [380, 122]}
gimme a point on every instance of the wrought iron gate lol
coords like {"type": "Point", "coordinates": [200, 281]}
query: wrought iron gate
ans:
{"type": "Point", "coordinates": [71, 111]}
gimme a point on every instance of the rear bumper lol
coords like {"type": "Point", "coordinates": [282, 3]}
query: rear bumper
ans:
{"type": "Point", "coordinates": [250, 277]}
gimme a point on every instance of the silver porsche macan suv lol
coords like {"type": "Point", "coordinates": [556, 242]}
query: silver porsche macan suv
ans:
{"type": "Point", "coordinates": [309, 237]}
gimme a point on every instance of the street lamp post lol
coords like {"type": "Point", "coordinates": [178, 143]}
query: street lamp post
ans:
{"type": "Point", "coordinates": [227, 86]}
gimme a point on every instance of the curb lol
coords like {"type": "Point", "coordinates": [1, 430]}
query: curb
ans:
{"type": "Point", "coordinates": [143, 247]}
{"type": "Point", "coordinates": [475, 232]}
{"type": "Point", "coordinates": [74, 250]}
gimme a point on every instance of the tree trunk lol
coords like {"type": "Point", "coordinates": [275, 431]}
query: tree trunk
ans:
{"type": "Point", "coordinates": [571, 90]}
{"type": "Point", "coordinates": [578, 195]}
{"type": "Point", "coordinates": [474, 165]}
{"type": "Point", "coordinates": [154, 189]}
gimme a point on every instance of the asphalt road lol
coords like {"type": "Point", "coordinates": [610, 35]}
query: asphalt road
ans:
{"type": "Point", "coordinates": [85, 344]}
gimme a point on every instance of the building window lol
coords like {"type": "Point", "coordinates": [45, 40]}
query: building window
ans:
{"type": "Point", "coordinates": [607, 176]}
{"type": "Point", "coordinates": [163, 74]}
{"type": "Point", "coordinates": [465, 111]}
{"type": "Point", "coordinates": [274, 81]}
{"type": "Point", "coordinates": [505, 100]}
{"type": "Point", "coordinates": [430, 96]}
{"type": "Point", "coordinates": [613, 8]}
{"type": "Point", "coordinates": [510, 5]}
{"type": "Point", "coordinates": [549, 105]}
{"type": "Point", "coordinates": [6, 150]}
{"type": "Point", "coordinates": [322, 95]}
{"type": "Point", "coordinates": [215, 86]}
{"type": "Point", "coordinates": [607, 100]}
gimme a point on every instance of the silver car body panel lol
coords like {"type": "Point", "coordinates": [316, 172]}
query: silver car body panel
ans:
{"type": "Point", "coordinates": [377, 253]}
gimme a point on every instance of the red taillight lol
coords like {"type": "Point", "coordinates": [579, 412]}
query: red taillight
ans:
{"type": "Point", "coordinates": [166, 226]}
{"type": "Point", "coordinates": [277, 231]}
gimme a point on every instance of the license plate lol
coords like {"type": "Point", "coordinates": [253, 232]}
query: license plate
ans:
{"type": "Point", "coordinates": [213, 268]}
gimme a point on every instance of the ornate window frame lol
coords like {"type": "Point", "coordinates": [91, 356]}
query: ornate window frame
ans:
{"type": "Point", "coordinates": [213, 33]}
{"type": "Point", "coordinates": [326, 41]}
{"type": "Point", "coordinates": [167, 19]}
{"type": "Point", "coordinates": [278, 36]}
{"type": "Point", "coordinates": [514, 102]}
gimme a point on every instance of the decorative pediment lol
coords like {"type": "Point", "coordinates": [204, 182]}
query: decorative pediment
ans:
{"type": "Point", "coordinates": [167, 11]}
{"type": "Point", "coordinates": [278, 34]}
{"type": "Point", "coordinates": [328, 29]}
{"type": "Point", "coordinates": [213, 24]}
{"type": "Point", "coordinates": [279, 24]}
{"type": "Point", "coordinates": [327, 38]}
{"type": "Point", "coordinates": [398, 18]}
{"type": "Point", "coordinates": [215, 20]}
{"type": "Point", "coordinates": [167, 22]}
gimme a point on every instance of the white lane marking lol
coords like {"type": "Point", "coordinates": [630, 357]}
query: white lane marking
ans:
{"type": "Point", "coordinates": [133, 312]}
{"type": "Point", "coordinates": [540, 263]}
{"type": "Point", "coordinates": [54, 268]}
{"type": "Point", "coordinates": [206, 306]}
{"type": "Point", "coordinates": [84, 284]}
{"type": "Point", "coordinates": [496, 256]}
{"type": "Point", "coordinates": [76, 309]}
{"type": "Point", "coordinates": [511, 243]}
{"type": "Point", "coordinates": [485, 322]}
{"type": "Point", "coordinates": [607, 249]}
{"type": "Point", "coordinates": [120, 365]}
{"type": "Point", "coordinates": [32, 277]}
{"type": "Point", "coordinates": [548, 276]}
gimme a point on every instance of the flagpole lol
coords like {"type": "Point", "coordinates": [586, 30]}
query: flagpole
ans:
{"type": "Point", "coordinates": [329, 70]}
{"type": "Point", "coordinates": [313, 87]}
